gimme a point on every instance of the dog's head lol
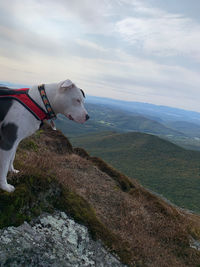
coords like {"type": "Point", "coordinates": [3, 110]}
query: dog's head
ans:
{"type": "Point", "coordinates": [70, 102]}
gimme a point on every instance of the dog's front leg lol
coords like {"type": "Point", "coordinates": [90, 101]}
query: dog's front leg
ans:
{"type": "Point", "coordinates": [11, 166]}
{"type": "Point", "coordinates": [8, 144]}
{"type": "Point", "coordinates": [5, 157]}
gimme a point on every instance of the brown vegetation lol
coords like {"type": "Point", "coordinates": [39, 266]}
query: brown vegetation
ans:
{"type": "Point", "coordinates": [149, 231]}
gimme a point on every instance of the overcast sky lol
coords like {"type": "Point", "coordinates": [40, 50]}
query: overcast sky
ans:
{"type": "Point", "coordinates": [139, 50]}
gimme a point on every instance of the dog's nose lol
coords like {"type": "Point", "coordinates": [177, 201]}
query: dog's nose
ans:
{"type": "Point", "coordinates": [87, 117]}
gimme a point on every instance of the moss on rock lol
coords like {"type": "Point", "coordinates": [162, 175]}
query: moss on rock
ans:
{"type": "Point", "coordinates": [37, 193]}
{"type": "Point", "coordinates": [32, 196]}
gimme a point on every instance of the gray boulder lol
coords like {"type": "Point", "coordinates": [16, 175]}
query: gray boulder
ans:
{"type": "Point", "coordinates": [52, 240]}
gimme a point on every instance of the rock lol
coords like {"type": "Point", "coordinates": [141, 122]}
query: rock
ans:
{"type": "Point", "coordinates": [52, 240]}
{"type": "Point", "coordinates": [194, 243]}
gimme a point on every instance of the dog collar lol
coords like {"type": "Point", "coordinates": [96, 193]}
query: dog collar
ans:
{"type": "Point", "coordinates": [50, 113]}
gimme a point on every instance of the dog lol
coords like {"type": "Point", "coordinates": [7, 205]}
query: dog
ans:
{"type": "Point", "coordinates": [18, 121]}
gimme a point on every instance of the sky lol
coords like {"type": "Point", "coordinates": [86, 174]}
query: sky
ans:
{"type": "Point", "coordinates": [135, 50]}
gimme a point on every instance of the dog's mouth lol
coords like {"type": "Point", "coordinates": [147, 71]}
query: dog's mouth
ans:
{"type": "Point", "coordinates": [70, 117]}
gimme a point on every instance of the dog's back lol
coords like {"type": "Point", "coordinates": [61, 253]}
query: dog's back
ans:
{"type": "Point", "coordinates": [5, 104]}
{"type": "Point", "coordinates": [6, 91]}
{"type": "Point", "coordinates": [4, 87]}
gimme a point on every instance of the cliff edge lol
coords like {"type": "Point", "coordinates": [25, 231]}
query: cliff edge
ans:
{"type": "Point", "coordinates": [59, 182]}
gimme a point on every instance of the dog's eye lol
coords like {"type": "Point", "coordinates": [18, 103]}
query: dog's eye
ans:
{"type": "Point", "coordinates": [78, 100]}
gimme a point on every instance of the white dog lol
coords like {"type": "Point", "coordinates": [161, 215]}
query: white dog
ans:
{"type": "Point", "coordinates": [19, 120]}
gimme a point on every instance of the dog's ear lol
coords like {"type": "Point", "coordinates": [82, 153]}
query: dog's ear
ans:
{"type": "Point", "coordinates": [82, 93]}
{"type": "Point", "coordinates": [67, 84]}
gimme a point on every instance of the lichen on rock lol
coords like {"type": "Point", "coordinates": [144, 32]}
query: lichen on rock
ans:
{"type": "Point", "coordinates": [52, 240]}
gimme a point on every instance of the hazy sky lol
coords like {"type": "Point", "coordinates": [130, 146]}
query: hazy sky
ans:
{"type": "Point", "coordinates": [140, 50]}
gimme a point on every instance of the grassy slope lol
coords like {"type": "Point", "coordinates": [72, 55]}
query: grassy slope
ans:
{"type": "Point", "coordinates": [158, 164]}
{"type": "Point", "coordinates": [140, 227]}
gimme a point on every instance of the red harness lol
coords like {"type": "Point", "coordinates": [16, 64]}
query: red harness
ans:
{"type": "Point", "coordinates": [22, 96]}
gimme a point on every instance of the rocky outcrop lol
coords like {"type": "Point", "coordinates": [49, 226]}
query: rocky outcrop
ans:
{"type": "Point", "coordinates": [52, 240]}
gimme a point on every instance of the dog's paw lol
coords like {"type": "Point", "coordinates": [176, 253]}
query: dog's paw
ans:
{"type": "Point", "coordinates": [8, 188]}
{"type": "Point", "coordinates": [15, 171]}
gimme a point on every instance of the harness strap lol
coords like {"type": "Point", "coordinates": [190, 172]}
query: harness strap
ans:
{"type": "Point", "coordinates": [22, 96]}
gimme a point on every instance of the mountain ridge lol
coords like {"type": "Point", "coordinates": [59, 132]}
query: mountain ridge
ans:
{"type": "Point", "coordinates": [170, 113]}
{"type": "Point", "coordinates": [106, 118]}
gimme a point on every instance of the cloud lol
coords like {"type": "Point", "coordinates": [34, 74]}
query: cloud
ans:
{"type": "Point", "coordinates": [117, 49]}
{"type": "Point", "coordinates": [160, 33]}
{"type": "Point", "coordinates": [90, 45]}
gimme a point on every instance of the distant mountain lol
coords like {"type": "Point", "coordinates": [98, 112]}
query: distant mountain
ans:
{"type": "Point", "coordinates": [158, 164]}
{"type": "Point", "coordinates": [156, 112]}
{"type": "Point", "coordinates": [14, 85]}
{"type": "Point", "coordinates": [188, 128]}
{"type": "Point", "coordinates": [106, 118]}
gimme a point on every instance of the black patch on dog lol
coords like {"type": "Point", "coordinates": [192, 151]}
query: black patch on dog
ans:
{"type": "Point", "coordinates": [82, 93]}
{"type": "Point", "coordinates": [7, 91]}
{"type": "Point", "coordinates": [8, 136]}
{"type": "Point", "coordinates": [5, 105]}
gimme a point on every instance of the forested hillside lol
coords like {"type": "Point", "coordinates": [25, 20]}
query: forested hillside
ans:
{"type": "Point", "coordinates": [162, 166]}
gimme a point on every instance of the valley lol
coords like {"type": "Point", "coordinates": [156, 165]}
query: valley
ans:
{"type": "Point", "coordinates": [161, 154]}
{"type": "Point", "coordinates": [159, 165]}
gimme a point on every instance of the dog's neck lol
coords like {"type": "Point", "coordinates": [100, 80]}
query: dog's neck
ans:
{"type": "Point", "coordinates": [50, 92]}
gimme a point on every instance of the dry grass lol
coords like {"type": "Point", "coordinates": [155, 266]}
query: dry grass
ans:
{"type": "Point", "coordinates": [152, 232]}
